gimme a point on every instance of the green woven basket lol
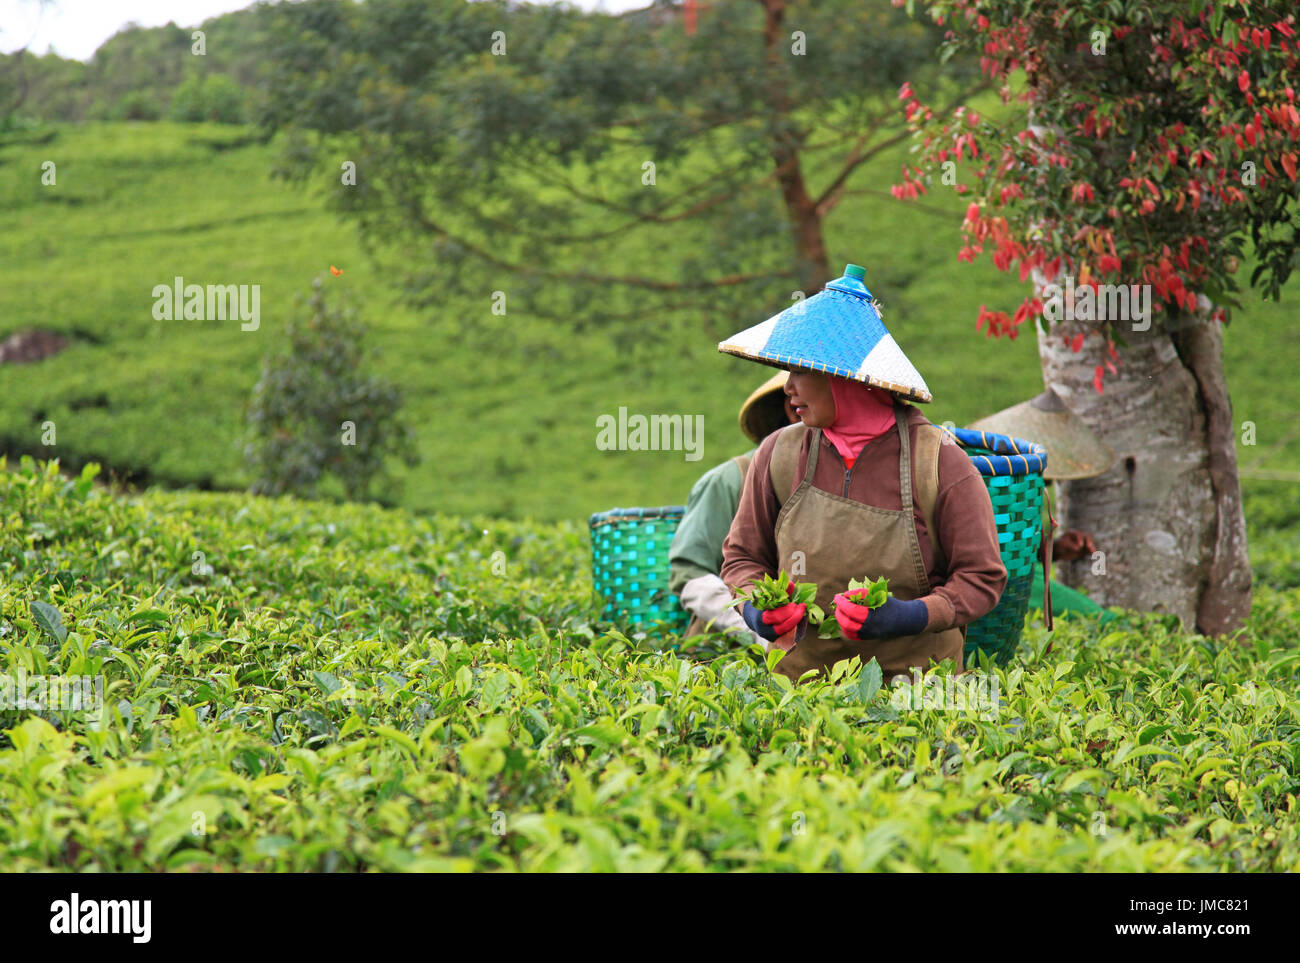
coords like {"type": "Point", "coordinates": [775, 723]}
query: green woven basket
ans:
{"type": "Point", "coordinates": [1012, 469]}
{"type": "Point", "coordinates": [629, 563]}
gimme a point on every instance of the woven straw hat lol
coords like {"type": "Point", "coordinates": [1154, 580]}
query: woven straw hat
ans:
{"type": "Point", "coordinates": [764, 410]}
{"type": "Point", "coordinates": [1073, 449]}
{"type": "Point", "coordinates": [839, 331]}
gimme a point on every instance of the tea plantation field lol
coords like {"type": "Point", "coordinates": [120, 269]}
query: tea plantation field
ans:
{"type": "Point", "coordinates": [306, 686]}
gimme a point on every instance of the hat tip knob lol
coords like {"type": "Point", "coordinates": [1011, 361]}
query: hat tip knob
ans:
{"type": "Point", "coordinates": [855, 271]}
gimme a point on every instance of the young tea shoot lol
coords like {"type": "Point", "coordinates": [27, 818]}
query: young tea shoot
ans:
{"type": "Point", "coordinates": [869, 592]}
{"type": "Point", "coordinates": [771, 593]}
{"type": "Point", "coordinates": [875, 591]}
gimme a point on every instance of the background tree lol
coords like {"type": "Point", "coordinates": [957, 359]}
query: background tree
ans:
{"type": "Point", "coordinates": [497, 147]}
{"type": "Point", "coordinates": [1155, 139]}
{"type": "Point", "coordinates": [136, 73]}
{"type": "Point", "coordinates": [316, 412]}
{"type": "Point", "coordinates": [17, 69]}
{"type": "Point", "coordinates": [211, 97]}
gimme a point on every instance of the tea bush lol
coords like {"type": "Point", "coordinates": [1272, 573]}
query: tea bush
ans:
{"type": "Point", "coordinates": [308, 686]}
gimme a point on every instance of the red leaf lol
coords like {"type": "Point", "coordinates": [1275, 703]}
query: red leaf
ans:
{"type": "Point", "coordinates": [1077, 344]}
{"type": "Point", "coordinates": [1096, 379]}
{"type": "Point", "coordinates": [1243, 81]}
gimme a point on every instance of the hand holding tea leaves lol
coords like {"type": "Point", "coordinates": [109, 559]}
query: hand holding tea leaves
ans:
{"type": "Point", "coordinates": [874, 590]}
{"type": "Point", "coordinates": [855, 603]}
{"type": "Point", "coordinates": [771, 593]}
{"type": "Point", "coordinates": [776, 606]}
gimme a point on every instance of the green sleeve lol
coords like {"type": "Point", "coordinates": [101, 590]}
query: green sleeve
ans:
{"type": "Point", "coordinates": [697, 545]}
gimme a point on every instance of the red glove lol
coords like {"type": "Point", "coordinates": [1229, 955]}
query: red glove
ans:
{"type": "Point", "coordinates": [850, 615]}
{"type": "Point", "coordinates": [785, 618]}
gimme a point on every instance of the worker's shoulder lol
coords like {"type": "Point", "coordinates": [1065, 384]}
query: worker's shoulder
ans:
{"type": "Point", "coordinates": [796, 431]}
{"type": "Point", "coordinates": [955, 465]}
{"type": "Point", "coordinates": [725, 474]}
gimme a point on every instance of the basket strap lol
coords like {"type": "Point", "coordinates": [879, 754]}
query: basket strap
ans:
{"type": "Point", "coordinates": [742, 462]}
{"type": "Point", "coordinates": [929, 438]}
{"type": "Point", "coordinates": [784, 455]}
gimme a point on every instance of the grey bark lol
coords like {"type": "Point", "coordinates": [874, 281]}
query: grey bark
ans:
{"type": "Point", "coordinates": [1167, 517]}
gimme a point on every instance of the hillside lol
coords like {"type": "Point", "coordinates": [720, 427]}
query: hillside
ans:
{"type": "Point", "coordinates": [514, 434]}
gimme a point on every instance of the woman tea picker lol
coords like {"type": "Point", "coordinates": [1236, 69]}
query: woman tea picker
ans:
{"type": "Point", "coordinates": [861, 487]}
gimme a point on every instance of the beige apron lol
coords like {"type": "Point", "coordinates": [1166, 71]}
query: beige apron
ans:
{"type": "Point", "coordinates": [841, 539]}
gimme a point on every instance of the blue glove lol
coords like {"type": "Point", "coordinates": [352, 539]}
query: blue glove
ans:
{"type": "Point", "coordinates": [754, 619]}
{"type": "Point", "coordinates": [897, 617]}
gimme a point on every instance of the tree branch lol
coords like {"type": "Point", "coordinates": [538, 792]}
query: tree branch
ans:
{"type": "Point", "coordinates": [830, 196]}
{"type": "Point", "coordinates": [433, 227]}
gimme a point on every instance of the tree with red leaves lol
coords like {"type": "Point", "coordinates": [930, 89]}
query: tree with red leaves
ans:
{"type": "Point", "coordinates": [1157, 137]}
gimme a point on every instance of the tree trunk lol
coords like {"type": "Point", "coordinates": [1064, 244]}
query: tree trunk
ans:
{"type": "Point", "coordinates": [787, 139]}
{"type": "Point", "coordinates": [809, 243]}
{"type": "Point", "coordinates": [1167, 516]}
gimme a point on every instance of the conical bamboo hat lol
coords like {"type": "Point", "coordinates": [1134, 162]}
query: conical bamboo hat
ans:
{"type": "Point", "coordinates": [1073, 449]}
{"type": "Point", "coordinates": [764, 410]}
{"type": "Point", "coordinates": [839, 331]}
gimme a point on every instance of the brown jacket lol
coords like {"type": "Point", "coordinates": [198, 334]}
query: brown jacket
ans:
{"type": "Point", "coordinates": [966, 531]}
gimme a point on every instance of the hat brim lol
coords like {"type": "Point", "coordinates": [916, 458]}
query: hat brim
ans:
{"type": "Point", "coordinates": [751, 412]}
{"type": "Point", "coordinates": [837, 331]}
{"type": "Point", "coordinates": [1073, 449]}
{"type": "Point", "coordinates": [903, 391]}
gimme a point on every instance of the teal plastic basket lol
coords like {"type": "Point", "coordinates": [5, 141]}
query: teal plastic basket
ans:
{"type": "Point", "coordinates": [629, 563]}
{"type": "Point", "coordinates": [1012, 470]}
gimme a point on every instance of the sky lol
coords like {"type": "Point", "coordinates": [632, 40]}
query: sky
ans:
{"type": "Point", "coordinates": [76, 28]}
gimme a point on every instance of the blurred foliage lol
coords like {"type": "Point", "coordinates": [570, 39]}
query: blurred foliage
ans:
{"type": "Point", "coordinates": [210, 97]}
{"type": "Point", "coordinates": [518, 144]}
{"type": "Point", "coordinates": [316, 410]}
{"type": "Point", "coordinates": [136, 73]}
{"type": "Point", "coordinates": [136, 105]}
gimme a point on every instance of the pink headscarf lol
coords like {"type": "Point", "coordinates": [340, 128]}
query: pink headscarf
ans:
{"type": "Point", "coordinates": [862, 412]}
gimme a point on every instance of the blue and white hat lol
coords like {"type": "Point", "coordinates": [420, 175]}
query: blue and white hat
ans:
{"type": "Point", "coordinates": [838, 330]}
